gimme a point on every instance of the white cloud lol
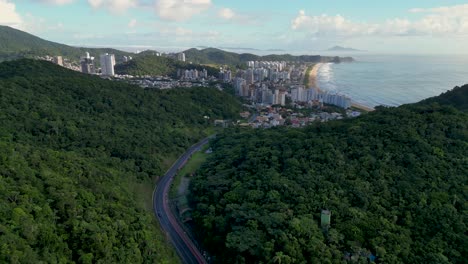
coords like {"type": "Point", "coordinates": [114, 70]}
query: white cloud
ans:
{"type": "Point", "coordinates": [57, 2]}
{"type": "Point", "coordinates": [9, 16]}
{"type": "Point", "coordinates": [457, 10]}
{"type": "Point", "coordinates": [114, 6]}
{"type": "Point", "coordinates": [132, 23]}
{"type": "Point", "coordinates": [180, 10]}
{"type": "Point", "coordinates": [324, 25]}
{"type": "Point", "coordinates": [226, 13]}
{"type": "Point", "coordinates": [436, 21]}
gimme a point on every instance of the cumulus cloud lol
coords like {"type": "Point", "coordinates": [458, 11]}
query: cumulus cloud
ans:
{"type": "Point", "coordinates": [57, 2]}
{"type": "Point", "coordinates": [436, 21]}
{"type": "Point", "coordinates": [180, 10]}
{"type": "Point", "coordinates": [226, 13]}
{"type": "Point", "coordinates": [9, 16]}
{"type": "Point", "coordinates": [324, 24]}
{"type": "Point", "coordinates": [114, 6]}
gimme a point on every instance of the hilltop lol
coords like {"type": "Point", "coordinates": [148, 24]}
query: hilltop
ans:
{"type": "Point", "coordinates": [394, 181]}
{"type": "Point", "coordinates": [458, 98]}
{"type": "Point", "coordinates": [15, 44]}
{"type": "Point", "coordinates": [80, 156]}
{"type": "Point", "coordinates": [149, 64]}
{"type": "Point", "coordinates": [218, 56]}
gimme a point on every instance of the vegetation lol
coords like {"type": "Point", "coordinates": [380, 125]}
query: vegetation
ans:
{"type": "Point", "coordinates": [158, 66]}
{"type": "Point", "coordinates": [307, 76]}
{"type": "Point", "coordinates": [16, 44]}
{"type": "Point", "coordinates": [192, 165]}
{"type": "Point", "coordinates": [78, 160]}
{"type": "Point", "coordinates": [394, 180]}
{"type": "Point", "coordinates": [221, 57]}
{"type": "Point", "coordinates": [458, 98]}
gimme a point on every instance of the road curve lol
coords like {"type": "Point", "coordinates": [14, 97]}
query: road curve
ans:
{"type": "Point", "coordinates": [184, 246]}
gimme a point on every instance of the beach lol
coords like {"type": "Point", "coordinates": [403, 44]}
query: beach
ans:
{"type": "Point", "coordinates": [313, 77]}
{"type": "Point", "coordinates": [362, 107]}
{"type": "Point", "coordinates": [313, 83]}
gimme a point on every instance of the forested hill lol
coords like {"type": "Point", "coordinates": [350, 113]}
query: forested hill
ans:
{"type": "Point", "coordinates": [217, 56]}
{"type": "Point", "coordinates": [153, 65]}
{"type": "Point", "coordinates": [78, 159]}
{"type": "Point", "coordinates": [15, 43]}
{"type": "Point", "coordinates": [394, 181]}
{"type": "Point", "coordinates": [458, 98]}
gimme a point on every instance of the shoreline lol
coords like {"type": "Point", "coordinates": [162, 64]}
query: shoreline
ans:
{"type": "Point", "coordinates": [313, 78]}
{"type": "Point", "coordinates": [313, 84]}
{"type": "Point", "coordinates": [362, 107]}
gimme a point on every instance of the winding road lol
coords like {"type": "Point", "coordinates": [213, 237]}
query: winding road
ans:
{"type": "Point", "coordinates": [184, 246]}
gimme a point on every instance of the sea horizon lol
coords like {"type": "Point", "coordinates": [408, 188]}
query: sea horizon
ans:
{"type": "Point", "coordinates": [393, 80]}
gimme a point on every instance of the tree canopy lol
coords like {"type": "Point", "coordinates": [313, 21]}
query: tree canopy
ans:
{"type": "Point", "coordinates": [78, 159]}
{"type": "Point", "coordinates": [394, 181]}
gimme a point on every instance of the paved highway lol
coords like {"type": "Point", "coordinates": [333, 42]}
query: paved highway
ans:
{"type": "Point", "coordinates": [184, 246]}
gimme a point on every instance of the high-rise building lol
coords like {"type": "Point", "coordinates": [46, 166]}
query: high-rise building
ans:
{"type": "Point", "coordinates": [241, 87]}
{"type": "Point", "coordinates": [279, 97]}
{"type": "Point", "coordinates": [107, 64]}
{"type": "Point", "coordinates": [249, 76]}
{"type": "Point", "coordinates": [204, 74]}
{"type": "Point", "coordinates": [58, 60]}
{"type": "Point", "coordinates": [181, 56]}
{"type": "Point", "coordinates": [87, 64]}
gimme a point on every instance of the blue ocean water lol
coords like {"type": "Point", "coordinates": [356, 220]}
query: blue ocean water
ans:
{"type": "Point", "coordinates": [394, 79]}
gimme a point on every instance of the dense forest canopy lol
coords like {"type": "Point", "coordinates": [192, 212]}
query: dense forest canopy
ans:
{"type": "Point", "coordinates": [78, 159]}
{"type": "Point", "coordinates": [395, 182]}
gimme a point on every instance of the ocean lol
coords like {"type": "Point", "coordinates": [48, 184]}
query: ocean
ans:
{"type": "Point", "coordinates": [393, 80]}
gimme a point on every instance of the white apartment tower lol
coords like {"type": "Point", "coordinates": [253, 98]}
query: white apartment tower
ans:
{"type": "Point", "coordinates": [181, 56]}
{"type": "Point", "coordinates": [107, 64]}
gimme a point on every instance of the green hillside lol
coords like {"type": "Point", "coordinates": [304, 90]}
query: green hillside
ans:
{"type": "Point", "coordinates": [217, 56]}
{"type": "Point", "coordinates": [18, 44]}
{"type": "Point", "coordinates": [395, 181]}
{"type": "Point", "coordinates": [153, 65]}
{"type": "Point", "coordinates": [78, 160]}
{"type": "Point", "coordinates": [458, 98]}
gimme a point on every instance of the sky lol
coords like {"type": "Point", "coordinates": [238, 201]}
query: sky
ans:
{"type": "Point", "coordinates": [292, 26]}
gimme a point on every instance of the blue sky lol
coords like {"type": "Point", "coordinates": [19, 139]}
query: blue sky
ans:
{"type": "Point", "coordinates": [295, 26]}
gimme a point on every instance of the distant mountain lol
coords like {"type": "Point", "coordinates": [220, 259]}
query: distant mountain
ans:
{"type": "Point", "coordinates": [339, 48]}
{"type": "Point", "coordinates": [218, 56]}
{"type": "Point", "coordinates": [15, 44]}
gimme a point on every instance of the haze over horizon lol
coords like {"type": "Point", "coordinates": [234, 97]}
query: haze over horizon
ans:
{"type": "Point", "coordinates": [420, 27]}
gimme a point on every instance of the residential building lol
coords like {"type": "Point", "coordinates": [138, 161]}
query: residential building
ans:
{"type": "Point", "coordinates": [107, 64]}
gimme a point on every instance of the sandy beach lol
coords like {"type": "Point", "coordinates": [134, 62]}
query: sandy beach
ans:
{"type": "Point", "coordinates": [313, 83]}
{"type": "Point", "coordinates": [313, 77]}
{"type": "Point", "coordinates": [362, 107]}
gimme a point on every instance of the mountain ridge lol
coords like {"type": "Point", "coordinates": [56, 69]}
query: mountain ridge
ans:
{"type": "Point", "coordinates": [218, 56]}
{"type": "Point", "coordinates": [16, 44]}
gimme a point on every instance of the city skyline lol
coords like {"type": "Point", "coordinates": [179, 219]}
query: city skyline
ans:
{"type": "Point", "coordinates": [425, 27]}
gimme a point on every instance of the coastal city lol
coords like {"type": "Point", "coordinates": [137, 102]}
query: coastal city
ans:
{"type": "Point", "coordinates": [276, 93]}
{"type": "Point", "coordinates": [222, 132]}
